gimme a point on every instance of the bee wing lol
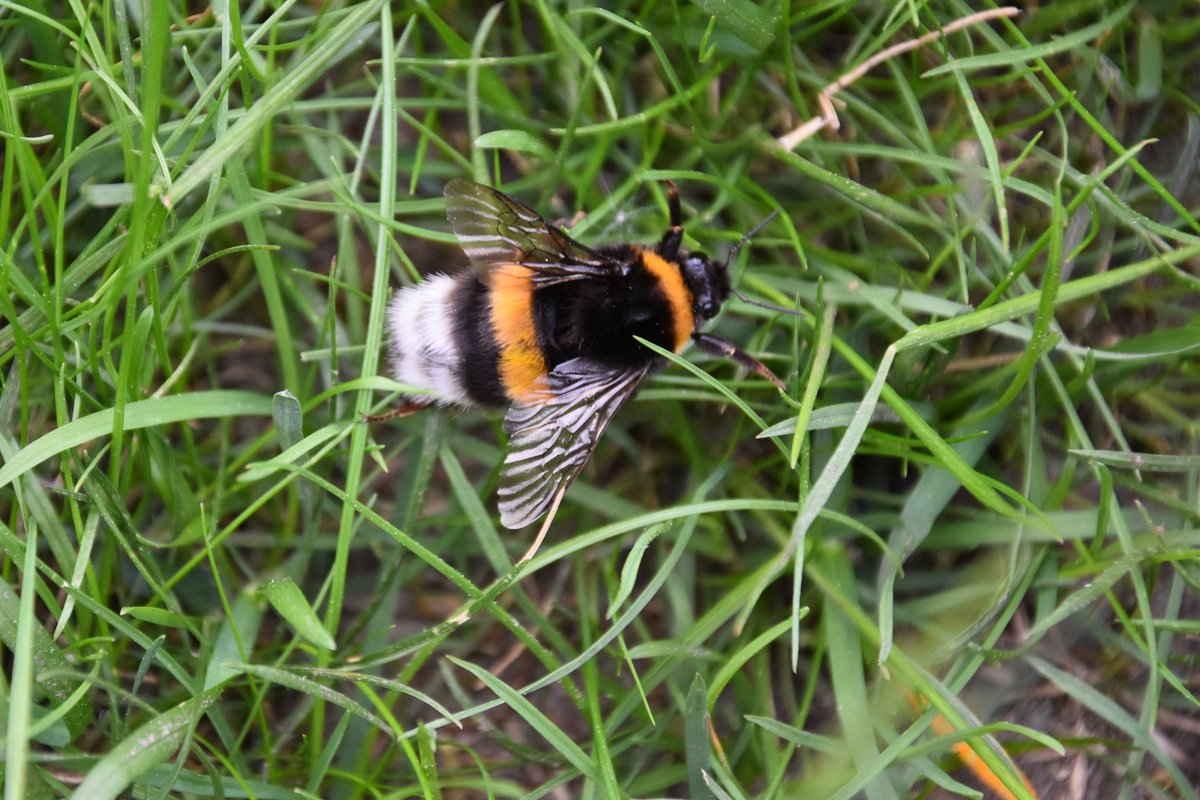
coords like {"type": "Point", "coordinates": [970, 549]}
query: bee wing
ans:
{"type": "Point", "coordinates": [498, 230]}
{"type": "Point", "coordinates": [551, 439]}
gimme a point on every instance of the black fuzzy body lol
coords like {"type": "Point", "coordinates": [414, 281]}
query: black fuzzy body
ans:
{"type": "Point", "coordinates": [595, 318]}
{"type": "Point", "coordinates": [475, 338]}
{"type": "Point", "coordinates": [598, 318]}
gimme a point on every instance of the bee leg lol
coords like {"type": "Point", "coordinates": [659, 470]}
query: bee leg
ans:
{"type": "Point", "coordinates": [550, 515]}
{"type": "Point", "coordinates": [403, 410]}
{"type": "Point", "coordinates": [720, 347]}
{"type": "Point", "coordinates": [668, 248]}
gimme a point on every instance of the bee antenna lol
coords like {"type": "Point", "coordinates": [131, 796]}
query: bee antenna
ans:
{"type": "Point", "coordinates": [750, 301]}
{"type": "Point", "coordinates": [733, 251]}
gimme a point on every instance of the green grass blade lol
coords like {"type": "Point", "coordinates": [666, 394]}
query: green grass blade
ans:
{"type": "Point", "coordinates": [287, 599]}
{"type": "Point", "coordinates": [145, 748]}
{"type": "Point", "coordinates": [560, 742]}
{"type": "Point", "coordinates": [139, 414]}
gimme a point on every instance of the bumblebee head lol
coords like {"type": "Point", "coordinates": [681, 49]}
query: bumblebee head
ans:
{"type": "Point", "coordinates": [707, 280]}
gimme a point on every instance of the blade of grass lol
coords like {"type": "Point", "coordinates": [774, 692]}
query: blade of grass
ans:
{"type": "Point", "coordinates": [147, 747]}
{"type": "Point", "coordinates": [555, 736]}
{"type": "Point", "coordinates": [139, 414]}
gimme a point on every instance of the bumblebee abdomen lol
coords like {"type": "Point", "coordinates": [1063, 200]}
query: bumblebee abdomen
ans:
{"type": "Point", "coordinates": [522, 363]}
{"type": "Point", "coordinates": [425, 352]}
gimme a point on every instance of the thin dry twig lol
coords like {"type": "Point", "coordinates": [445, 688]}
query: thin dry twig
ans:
{"type": "Point", "coordinates": [828, 117]}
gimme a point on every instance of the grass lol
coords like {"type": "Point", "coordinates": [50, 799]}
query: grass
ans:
{"type": "Point", "coordinates": [973, 524]}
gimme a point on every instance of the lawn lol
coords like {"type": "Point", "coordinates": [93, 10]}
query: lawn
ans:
{"type": "Point", "coordinates": [959, 555]}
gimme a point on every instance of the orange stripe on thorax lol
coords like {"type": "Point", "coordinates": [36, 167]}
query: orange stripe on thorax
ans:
{"type": "Point", "coordinates": [670, 280]}
{"type": "Point", "coordinates": [522, 367]}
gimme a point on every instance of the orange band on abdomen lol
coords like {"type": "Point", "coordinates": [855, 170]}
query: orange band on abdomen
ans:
{"type": "Point", "coordinates": [522, 366]}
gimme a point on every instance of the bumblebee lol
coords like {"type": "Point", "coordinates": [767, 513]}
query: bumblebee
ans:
{"type": "Point", "coordinates": [545, 326]}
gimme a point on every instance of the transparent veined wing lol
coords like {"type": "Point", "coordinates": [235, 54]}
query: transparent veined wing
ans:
{"type": "Point", "coordinates": [552, 438]}
{"type": "Point", "coordinates": [496, 230]}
